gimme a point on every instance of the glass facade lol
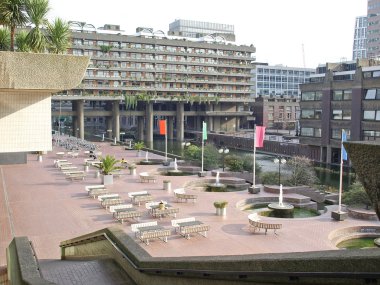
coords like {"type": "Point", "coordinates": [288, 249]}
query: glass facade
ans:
{"type": "Point", "coordinates": [360, 38]}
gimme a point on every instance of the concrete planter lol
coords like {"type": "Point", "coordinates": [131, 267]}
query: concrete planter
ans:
{"type": "Point", "coordinates": [132, 171]}
{"type": "Point", "coordinates": [167, 185]}
{"type": "Point", "coordinates": [108, 179]}
{"type": "Point", "coordinates": [39, 158]}
{"type": "Point", "coordinates": [254, 190]}
{"type": "Point", "coordinates": [221, 211]}
{"type": "Point", "coordinates": [339, 216]}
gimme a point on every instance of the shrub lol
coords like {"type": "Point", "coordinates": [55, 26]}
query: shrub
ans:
{"type": "Point", "coordinates": [220, 204]}
{"type": "Point", "coordinates": [356, 196]}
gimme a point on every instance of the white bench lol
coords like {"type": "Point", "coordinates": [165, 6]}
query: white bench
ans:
{"type": "Point", "coordinates": [107, 196]}
{"type": "Point", "coordinates": [135, 227]}
{"type": "Point", "coordinates": [131, 194]}
{"type": "Point", "coordinates": [254, 222]}
{"type": "Point", "coordinates": [146, 177]}
{"type": "Point", "coordinates": [175, 222]}
{"type": "Point", "coordinates": [186, 231]}
{"type": "Point", "coordinates": [121, 206]}
{"type": "Point", "coordinates": [88, 188]}
{"type": "Point", "coordinates": [57, 161]}
{"type": "Point", "coordinates": [111, 202]}
{"type": "Point", "coordinates": [180, 195]}
{"type": "Point", "coordinates": [75, 176]}
{"type": "Point", "coordinates": [121, 216]}
{"type": "Point", "coordinates": [160, 234]}
{"type": "Point", "coordinates": [94, 193]}
{"type": "Point", "coordinates": [158, 213]}
{"type": "Point", "coordinates": [149, 204]}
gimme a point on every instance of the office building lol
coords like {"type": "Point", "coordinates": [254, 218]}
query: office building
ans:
{"type": "Point", "coordinates": [340, 96]}
{"type": "Point", "coordinates": [359, 49]}
{"type": "Point", "coordinates": [197, 29]}
{"type": "Point", "coordinates": [373, 30]}
{"type": "Point", "coordinates": [278, 80]}
{"type": "Point", "coordinates": [135, 80]}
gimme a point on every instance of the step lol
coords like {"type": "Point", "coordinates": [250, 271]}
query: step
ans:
{"type": "Point", "coordinates": [93, 272]}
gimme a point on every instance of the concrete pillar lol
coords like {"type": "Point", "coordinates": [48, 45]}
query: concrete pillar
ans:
{"type": "Point", "coordinates": [149, 123]}
{"type": "Point", "coordinates": [140, 128]}
{"type": "Point", "coordinates": [170, 121]}
{"type": "Point", "coordinates": [116, 120]}
{"type": "Point", "coordinates": [80, 116]}
{"type": "Point", "coordinates": [180, 122]}
{"type": "Point", "coordinates": [328, 155]}
{"type": "Point", "coordinates": [109, 127]}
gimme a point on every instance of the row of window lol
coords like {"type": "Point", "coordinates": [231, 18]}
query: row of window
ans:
{"type": "Point", "coordinates": [317, 133]}
{"type": "Point", "coordinates": [342, 95]}
{"type": "Point", "coordinates": [284, 72]}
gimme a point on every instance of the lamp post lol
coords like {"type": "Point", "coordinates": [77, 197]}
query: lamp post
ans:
{"type": "Point", "coordinates": [223, 151]}
{"type": "Point", "coordinates": [279, 160]}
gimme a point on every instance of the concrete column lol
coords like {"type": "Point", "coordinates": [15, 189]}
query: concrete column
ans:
{"type": "Point", "coordinates": [198, 123]}
{"type": "Point", "coordinates": [80, 116]}
{"type": "Point", "coordinates": [170, 121]}
{"type": "Point", "coordinates": [149, 123]}
{"type": "Point", "coordinates": [180, 122]}
{"type": "Point", "coordinates": [140, 128]}
{"type": "Point", "coordinates": [109, 127]}
{"type": "Point", "coordinates": [116, 120]}
{"type": "Point", "coordinates": [328, 155]}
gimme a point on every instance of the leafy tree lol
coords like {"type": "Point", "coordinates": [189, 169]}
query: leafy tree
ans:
{"type": "Point", "coordinates": [139, 146]}
{"type": "Point", "coordinates": [210, 159]}
{"type": "Point", "coordinates": [37, 12]}
{"type": "Point", "coordinates": [12, 15]}
{"type": "Point", "coordinates": [356, 196]}
{"type": "Point", "coordinates": [108, 164]}
{"type": "Point", "coordinates": [302, 172]}
{"type": "Point", "coordinates": [234, 163]}
{"type": "Point", "coordinates": [5, 40]}
{"type": "Point", "coordinates": [192, 152]}
{"type": "Point", "coordinates": [58, 36]}
{"type": "Point", "coordinates": [21, 42]}
{"type": "Point", "coordinates": [105, 49]}
{"type": "Point", "coordinates": [270, 178]}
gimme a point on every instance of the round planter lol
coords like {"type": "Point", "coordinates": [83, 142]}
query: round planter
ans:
{"type": "Point", "coordinates": [86, 168]}
{"type": "Point", "coordinates": [132, 171]}
{"type": "Point", "coordinates": [221, 211]}
{"type": "Point", "coordinates": [107, 179]}
{"type": "Point", "coordinates": [39, 157]}
{"type": "Point", "coordinates": [167, 185]}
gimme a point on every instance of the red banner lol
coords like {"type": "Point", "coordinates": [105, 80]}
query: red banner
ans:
{"type": "Point", "coordinates": [259, 138]}
{"type": "Point", "coordinates": [162, 126]}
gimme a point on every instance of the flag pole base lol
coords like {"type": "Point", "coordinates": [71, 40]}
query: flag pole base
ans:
{"type": "Point", "coordinates": [202, 173]}
{"type": "Point", "coordinates": [339, 215]}
{"type": "Point", "coordinates": [254, 189]}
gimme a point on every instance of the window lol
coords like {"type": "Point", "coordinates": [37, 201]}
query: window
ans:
{"type": "Point", "coordinates": [371, 94]}
{"type": "Point", "coordinates": [369, 115]}
{"type": "Point", "coordinates": [340, 95]}
{"type": "Point", "coordinates": [307, 114]}
{"type": "Point", "coordinates": [337, 134]}
{"type": "Point", "coordinates": [337, 115]}
{"type": "Point", "coordinates": [311, 96]}
{"type": "Point", "coordinates": [307, 132]}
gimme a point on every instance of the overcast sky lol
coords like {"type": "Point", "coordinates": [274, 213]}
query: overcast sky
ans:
{"type": "Point", "coordinates": [283, 31]}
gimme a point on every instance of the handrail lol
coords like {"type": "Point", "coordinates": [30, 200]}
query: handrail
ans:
{"type": "Point", "coordinates": [209, 273]}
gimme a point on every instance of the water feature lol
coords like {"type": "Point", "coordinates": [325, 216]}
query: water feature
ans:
{"type": "Point", "coordinates": [175, 171]}
{"type": "Point", "coordinates": [146, 156]}
{"type": "Point", "coordinates": [357, 243]}
{"type": "Point", "coordinates": [216, 186]}
{"type": "Point", "coordinates": [281, 210]}
{"type": "Point", "coordinates": [175, 164]}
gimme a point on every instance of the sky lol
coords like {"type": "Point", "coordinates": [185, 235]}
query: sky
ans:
{"type": "Point", "coordinates": [294, 33]}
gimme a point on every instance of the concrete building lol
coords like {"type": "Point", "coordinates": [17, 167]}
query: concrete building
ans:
{"type": "Point", "coordinates": [359, 49]}
{"type": "Point", "coordinates": [279, 113]}
{"type": "Point", "coordinates": [340, 96]}
{"type": "Point", "coordinates": [198, 29]}
{"type": "Point", "coordinates": [278, 80]}
{"type": "Point", "coordinates": [373, 30]}
{"type": "Point", "coordinates": [134, 80]}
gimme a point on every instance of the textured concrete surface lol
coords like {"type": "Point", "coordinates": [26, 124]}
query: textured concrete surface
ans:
{"type": "Point", "coordinates": [37, 201]}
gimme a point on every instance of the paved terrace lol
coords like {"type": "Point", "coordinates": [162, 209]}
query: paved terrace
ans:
{"type": "Point", "coordinates": [37, 201]}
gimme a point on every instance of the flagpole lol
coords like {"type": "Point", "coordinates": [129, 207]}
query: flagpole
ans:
{"type": "Point", "coordinates": [341, 174]}
{"type": "Point", "coordinates": [254, 159]}
{"type": "Point", "coordinates": [203, 143]}
{"type": "Point", "coordinates": [166, 140]}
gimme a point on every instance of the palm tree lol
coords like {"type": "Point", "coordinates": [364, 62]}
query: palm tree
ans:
{"type": "Point", "coordinates": [37, 12]}
{"type": "Point", "coordinates": [5, 39]}
{"type": "Point", "coordinates": [58, 36]}
{"type": "Point", "coordinates": [12, 15]}
{"type": "Point", "coordinates": [21, 41]}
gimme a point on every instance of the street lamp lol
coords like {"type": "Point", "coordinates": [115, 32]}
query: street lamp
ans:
{"type": "Point", "coordinates": [223, 151]}
{"type": "Point", "coordinates": [280, 160]}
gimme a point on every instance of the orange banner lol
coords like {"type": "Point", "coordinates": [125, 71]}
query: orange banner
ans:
{"type": "Point", "coordinates": [162, 126]}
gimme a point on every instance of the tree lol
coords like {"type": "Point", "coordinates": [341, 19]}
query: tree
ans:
{"type": "Point", "coordinates": [58, 36]}
{"type": "Point", "coordinates": [21, 42]}
{"type": "Point", "coordinates": [37, 12]}
{"type": "Point", "coordinates": [5, 40]}
{"type": "Point", "coordinates": [302, 172]}
{"type": "Point", "coordinates": [210, 159]}
{"type": "Point", "coordinates": [12, 15]}
{"type": "Point", "coordinates": [356, 196]}
{"type": "Point", "coordinates": [109, 164]}
{"type": "Point", "coordinates": [105, 49]}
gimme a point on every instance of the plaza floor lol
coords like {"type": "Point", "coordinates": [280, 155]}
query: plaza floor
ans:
{"type": "Point", "coordinates": [38, 202]}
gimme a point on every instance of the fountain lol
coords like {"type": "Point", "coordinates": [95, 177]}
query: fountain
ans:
{"type": "Point", "coordinates": [175, 165]}
{"type": "Point", "coordinates": [217, 186]}
{"type": "Point", "coordinates": [146, 156]}
{"type": "Point", "coordinates": [281, 210]}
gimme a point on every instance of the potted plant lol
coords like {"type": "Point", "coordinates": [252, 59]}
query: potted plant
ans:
{"type": "Point", "coordinates": [106, 166]}
{"type": "Point", "coordinates": [221, 207]}
{"type": "Point", "coordinates": [139, 146]}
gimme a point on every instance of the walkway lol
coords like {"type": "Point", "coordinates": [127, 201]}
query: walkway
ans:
{"type": "Point", "coordinates": [37, 201]}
